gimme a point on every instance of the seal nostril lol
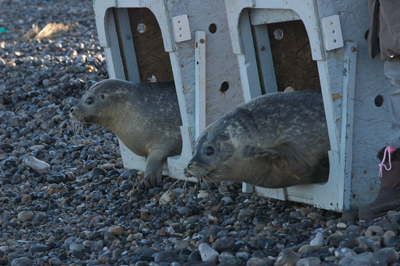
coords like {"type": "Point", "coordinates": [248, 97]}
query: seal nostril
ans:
{"type": "Point", "coordinates": [72, 109]}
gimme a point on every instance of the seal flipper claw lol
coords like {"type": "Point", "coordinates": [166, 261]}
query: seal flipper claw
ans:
{"type": "Point", "coordinates": [153, 171]}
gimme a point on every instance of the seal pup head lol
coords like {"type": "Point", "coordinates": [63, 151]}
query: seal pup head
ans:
{"type": "Point", "coordinates": [98, 105]}
{"type": "Point", "coordinates": [205, 164]}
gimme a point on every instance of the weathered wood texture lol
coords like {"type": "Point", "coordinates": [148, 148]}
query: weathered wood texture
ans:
{"type": "Point", "coordinates": [293, 63]}
{"type": "Point", "coordinates": [152, 59]}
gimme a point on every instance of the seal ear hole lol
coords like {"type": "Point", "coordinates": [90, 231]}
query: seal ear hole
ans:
{"type": "Point", "coordinates": [378, 100]}
{"type": "Point", "coordinates": [224, 86]}
{"type": "Point", "coordinates": [102, 96]}
{"type": "Point", "coordinates": [212, 28]}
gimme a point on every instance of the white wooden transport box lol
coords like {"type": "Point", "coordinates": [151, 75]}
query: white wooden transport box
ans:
{"type": "Point", "coordinates": [223, 53]}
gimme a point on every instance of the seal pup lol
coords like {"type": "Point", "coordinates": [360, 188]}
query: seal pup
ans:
{"type": "Point", "coordinates": [274, 141]}
{"type": "Point", "coordinates": [144, 116]}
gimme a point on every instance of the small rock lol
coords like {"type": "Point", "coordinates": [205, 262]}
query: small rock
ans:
{"type": "Point", "coordinates": [350, 243]}
{"type": "Point", "coordinates": [361, 259]}
{"type": "Point", "coordinates": [184, 244]}
{"type": "Point", "coordinates": [311, 261]}
{"type": "Point", "coordinates": [350, 215]}
{"type": "Point", "coordinates": [38, 248]}
{"type": "Point", "coordinates": [25, 199]}
{"type": "Point", "coordinates": [226, 200]}
{"type": "Point", "coordinates": [166, 198]}
{"type": "Point", "coordinates": [344, 252]}
{"type": "Point", "coordinates": [25, 216]}
{"type": "Point", "coordinates": [374, 230]}
{"type": "Point", "coordinates": [116, 230]}
{"type": "Point", "coordinates": [163, 256]}
{"type": "Point", "coordinates": [259, 262]}
{"type": "Point", "coordinates": [318, 241]}
{"type": "Point", "coordinates": [386, 256]}
{"type": "Point", "coordinates": [287, 257]}
{"type": "Point", "coordinates": [23, 261]}
{"type": "Point", "coordinates": [36, 164]}
{"type": "Point", "coordinates": [315, 217]}
{"type": "Point", "coordinates": [207, 253]}
{"type": "Point", "coordinates": [373, 241]}
{"type": "Point", "coordinates": [225, 256]}
{"type": "Point", "coordinates": [231, 262]}
{"type": "Point", "coordinates": [387, 236]}
{"type": "Point", "coordinates": [223, 244]}
{"type": "Point", "coordinates": [341, 225]}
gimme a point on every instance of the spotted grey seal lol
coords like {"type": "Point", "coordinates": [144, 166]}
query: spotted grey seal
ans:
{"type": "Point", "coordinates": [276, 140]}
{"type": "Point", "coordinates": [144, 116]}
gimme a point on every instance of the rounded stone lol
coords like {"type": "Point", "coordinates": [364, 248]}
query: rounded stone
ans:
{"type": "Point", "coordinates": [207, 253]}
{"type": "Point", "coordinates": [25, 199]}
{"type": "Point", "coordinates": [310, 261]}
{"type": "Point", "coordinates": [287, 257]}
{"type": "Point", "coordinates": [25, 216]}
{"type": "Point", "coordinates": [23, 261]}
{"type": "Point", "coordinates": [116, 230]}
{"type": "Point", "coordinates": [223, 244]}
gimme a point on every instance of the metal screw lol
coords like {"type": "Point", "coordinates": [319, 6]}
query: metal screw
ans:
{"type": "Point", "coordinates": [353, 49]}
{"type": "Point", "coordinates": [262, 48]}
{"type": "Point", "coordinates": [201, 40]}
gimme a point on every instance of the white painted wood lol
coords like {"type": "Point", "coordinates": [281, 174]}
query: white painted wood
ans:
{"type": "Point", "coordinates": [265, 61]}
{"type": "Point", "coordinates": [101, 8]}
{"type": "Point", "coordinates": [200, 82]}
{"type": "Point", "coordinates": [260, 17]}
{"type": "Point", "coordinates": [332, 32]}
{"type": "Point", "coordinates": [180, 25]}
{"type": "Point", "coordinates": [176, 164]}
{"type": "Point", "coordinates": [306, 9]}
{"type": "Point", "coordinates": [346, 148]}
{"type": "Point", "coordinates": [126, 45]}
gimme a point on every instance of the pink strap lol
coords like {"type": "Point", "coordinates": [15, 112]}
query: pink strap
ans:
{"type": "Point", "coordinates": [388, 150]}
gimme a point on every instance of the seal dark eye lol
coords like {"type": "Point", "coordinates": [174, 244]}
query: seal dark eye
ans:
{"type": "Point", "coordinates": [90, 100]}
{"type": "Point", "coordinates": [209, 151]}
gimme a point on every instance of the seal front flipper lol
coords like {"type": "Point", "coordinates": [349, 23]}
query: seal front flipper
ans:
{"type": "Point", "coordinates": [154, 168]}
{"type": "Point", "coordinates": [285, 157]}
{"type": "Point", "coordinates": [250, 151]}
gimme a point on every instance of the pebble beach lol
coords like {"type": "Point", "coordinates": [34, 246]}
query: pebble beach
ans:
{"type": "Point", "coordinates": [66, 199]}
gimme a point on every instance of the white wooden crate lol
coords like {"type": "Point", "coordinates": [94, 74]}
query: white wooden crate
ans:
{"type": "Point", "coordinates": [350, 81]}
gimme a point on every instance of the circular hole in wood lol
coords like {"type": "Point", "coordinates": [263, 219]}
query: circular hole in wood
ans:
{"type": "Point", "coordinates": [224, 86]}
{"type": "Point", "coordinates": [141, 28]}
{"type": "Point", "coordinates": [212, 28]}
{"type": "Point", "coordinates": [152, 78]}
{"type": "Point", "coordinates": [278, 34]}
{"type": "Point", "coordinates": [378, 100]}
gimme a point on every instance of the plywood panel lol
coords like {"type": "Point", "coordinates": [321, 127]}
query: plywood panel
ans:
{"type": "Point", "coordinates": [293, 63]}
{"type": "Point", "coordinates": [152, 59]}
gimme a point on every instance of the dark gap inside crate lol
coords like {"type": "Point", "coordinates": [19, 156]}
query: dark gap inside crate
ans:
{"type": "Point", "coordinates": [153, 62]}
{"type": "Point", "coordinates": [292, 58]}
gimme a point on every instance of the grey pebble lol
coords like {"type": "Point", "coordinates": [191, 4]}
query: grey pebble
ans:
{"type": "Point", "coordinates": [23, 261]}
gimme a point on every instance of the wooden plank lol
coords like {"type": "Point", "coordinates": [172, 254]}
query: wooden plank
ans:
{"type": "Point", "coordinates": [200, 83]}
